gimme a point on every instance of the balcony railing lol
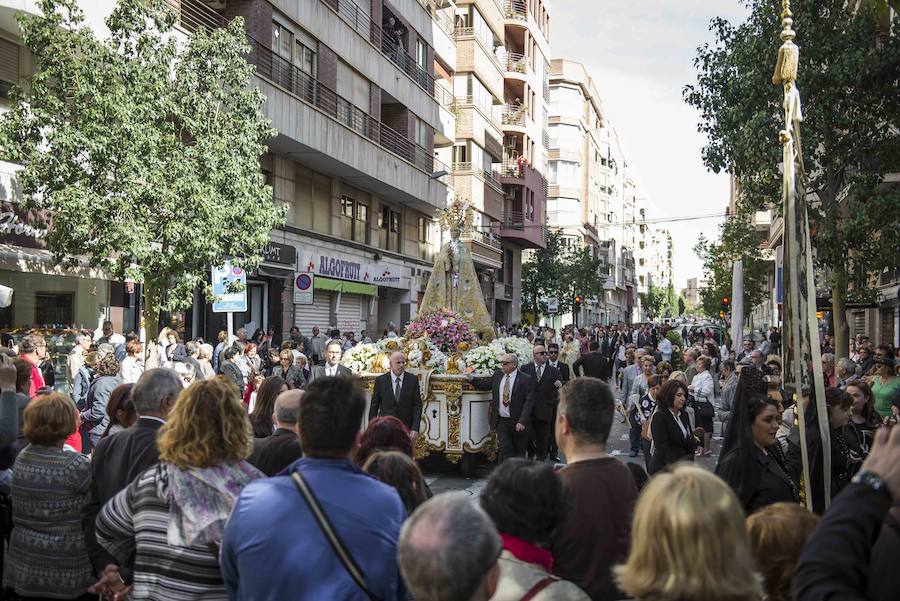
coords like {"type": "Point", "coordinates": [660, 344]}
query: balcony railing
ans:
{"type": "Point", "coordinates": [192, 15]}
{"type": "Point", "coordinates": [285, 75]}
{"type": "Point", "coordinates": [514, 115]}
{"type": "Point", "coordinates": [358, 19]}
{"type": "Point", "coordinates": [484, 238]}
{"type": "Point", "coordinates": [443, 20]}
{"type": "Point", "coordinates": [443, 96]}
{"type": "Point", "coordinates": [489, 178]}
{"type": "Point", "coordinates": [546, 89]}
{"type": "Point", "coordinates": [515, 62]}
{"type": "Point", "coordinates": [486, 112]}
{"type": "Point", "coordinates": [514, 220]}
{"type": "Point", "coordinates": [545, 139]}
{"type": "Point", "coordinates": [516, 9]}
{"type": "Point", "coordinates": [512, 168]}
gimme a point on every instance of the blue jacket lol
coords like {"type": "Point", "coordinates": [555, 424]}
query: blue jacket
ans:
{"type": "Point", "coordinates": [273, 549]}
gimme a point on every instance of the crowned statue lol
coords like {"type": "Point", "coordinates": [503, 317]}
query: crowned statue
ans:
{"type": "Point", "coordinates": [453, 283]}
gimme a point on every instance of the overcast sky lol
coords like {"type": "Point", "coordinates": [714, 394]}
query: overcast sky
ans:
{"type": "Point", "coordinates": [640, 55]}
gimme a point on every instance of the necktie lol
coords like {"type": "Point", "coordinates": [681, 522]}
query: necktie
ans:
{"type": "Point", "coordinates": [397, 388]}
{"type": "Point", "coordinates": [540, 373]}
{"type": "Point", "coordinates": [506, 391]}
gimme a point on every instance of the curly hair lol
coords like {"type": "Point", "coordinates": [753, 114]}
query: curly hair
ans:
{"type": "Point", "coordinates": [108, 366]}
{"type": "Point", "coordinates": [207, 426]}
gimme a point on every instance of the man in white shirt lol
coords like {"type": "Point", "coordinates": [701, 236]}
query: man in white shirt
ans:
{"type": "Point", "coordinates": [512, 405]}
{"type": "Point", "coordinates": [397, 393]}
{"type": "Point", "coordinates": [665, 349]}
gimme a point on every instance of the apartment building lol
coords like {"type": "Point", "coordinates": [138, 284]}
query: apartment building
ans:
{"type": "Point", "coordinates": [592, 197]}
{"type": "Point", "coordinates": [498, 159]}
{"type": "Point", "coordinates": [350, 88]}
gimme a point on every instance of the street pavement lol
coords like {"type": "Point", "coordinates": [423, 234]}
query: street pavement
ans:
{"type": "Point", "coordinates": [443, 476]}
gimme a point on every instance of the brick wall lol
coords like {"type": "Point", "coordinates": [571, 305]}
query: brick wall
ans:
{"type": "Point", "coordinates": [375, 101]}
{"type": "Point", "coordinates": [327, 66]}
{"type": "Point", "coordinates": [396, 116]}
{"type": "Point", "coordinates": [257, 18]}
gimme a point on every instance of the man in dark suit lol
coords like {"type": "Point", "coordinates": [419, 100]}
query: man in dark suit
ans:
{"type": "Point", "coordinates": [274, 453]}
{"type": "Point", "coordinates": [592, 364]}
{"type": "Point", "coordinates": [546, 394]}
{"type": "Point", "coordinates": [122, 457]}
{"type": "Point", "coordinates": [564, 375]}
{"type": "Point", "coordinates": [512, 403]}
{"type": "Point", "coordinates": [332, 367]}
{"type": "Point", "coordinates": [397, 393]}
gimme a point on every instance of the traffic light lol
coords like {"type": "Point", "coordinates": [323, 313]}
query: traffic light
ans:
{"type": "Point", "coordinates": [578, 300]}
{"type": "Point", "coordinates": [722, 314]}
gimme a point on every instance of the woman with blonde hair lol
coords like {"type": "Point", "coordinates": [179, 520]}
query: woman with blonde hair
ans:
{"type": "Point", "coordinates": [688, 542]}
{"type": "Point", "coordinates": [778, 533]}
{"type": "Point", "coordinates": [171, 518]}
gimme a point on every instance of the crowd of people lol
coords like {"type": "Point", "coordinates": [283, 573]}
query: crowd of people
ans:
{"type": "Point", "coordinates": [252, 469]}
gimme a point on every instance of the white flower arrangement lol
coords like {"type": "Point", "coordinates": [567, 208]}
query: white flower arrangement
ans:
{"type": "Point", "coordinates": [361, 358]}
{"type": "Point", "coordinates": [520, 347]}
{"type": "Point", "coordinates": [483, 359]}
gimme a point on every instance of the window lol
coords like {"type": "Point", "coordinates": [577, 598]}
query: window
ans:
{"type": "Point", "coordinates": [305, 59]}
{"type": "Point", "coordinates": [282, 40]}
{"type": "Point", "coordinates": [423, 133]}
{"type": "Point", "coordinates": [421, 53]}
{"type": "Point", "coordinates": [565, 173]}
{"type": "Point", "coordinates": [389, 229]}
{"type": "Point", "coordinates": [53, 307]}
{"type": "Point", "coordinates": [9, 66]}
{"type": "Point", "coordinates": [354, 219]}
{"type": "Point", "coordinates": [424, 230]}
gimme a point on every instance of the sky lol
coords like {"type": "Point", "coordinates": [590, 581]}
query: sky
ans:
{"type": "Point", "coordinates": [640, 53]}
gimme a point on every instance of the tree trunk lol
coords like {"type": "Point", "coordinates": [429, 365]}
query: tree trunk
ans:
{"type": "Point", "coordinates": [152, 303]}
{"type": "Point", "coordinates": [839, 311]}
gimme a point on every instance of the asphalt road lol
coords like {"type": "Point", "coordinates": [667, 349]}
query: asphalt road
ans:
{"type": "Point", "coordinates": [443, 476]}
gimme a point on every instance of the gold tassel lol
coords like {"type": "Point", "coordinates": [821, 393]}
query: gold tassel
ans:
{"type": "Point", "coordinates": [786, 66]}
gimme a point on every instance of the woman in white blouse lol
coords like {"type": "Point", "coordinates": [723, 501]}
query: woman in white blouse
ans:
{"type": "Point", "coordinates": [133, 363]}
{"type": "Point", "coordinates": [702, 387]}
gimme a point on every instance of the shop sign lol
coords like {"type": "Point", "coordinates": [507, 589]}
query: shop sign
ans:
{"type": "Point", "coordinates": [22, 227]}
{"type": "Point", "coordinates": [282, 254]}
{"type": "Point", "coordinates": [222, 279]}
{"type": "Point", "coordinates": [303, 288]}
{"type": "Point", "coordinates": [344, 267]}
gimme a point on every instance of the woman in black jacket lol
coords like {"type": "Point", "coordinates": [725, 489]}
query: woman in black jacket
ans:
{"type": "Point", "coordinates": [754, 465]}
{"type": "Point", "coordinates": [670, 428]}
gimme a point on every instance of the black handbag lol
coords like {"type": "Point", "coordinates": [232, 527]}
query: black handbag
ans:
{"type": "Point", "coordinates": [343, 554]}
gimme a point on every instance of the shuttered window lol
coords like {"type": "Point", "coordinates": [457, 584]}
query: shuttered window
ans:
{"type": "Point", "coordinates": [9, 63]}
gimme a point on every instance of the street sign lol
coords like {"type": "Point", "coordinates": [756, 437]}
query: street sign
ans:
{"type": "Point", "coordinates": [303, 289]}
{"type": "Point", "coordinates": [552, 306]}
{"type": "Point", "coordinates": [225, 301]}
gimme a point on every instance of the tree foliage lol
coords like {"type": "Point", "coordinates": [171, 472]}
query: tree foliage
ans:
{"type": "Point", "coordinates": [737, 241]}
{"type": "Point", "coordinates": [848, 74]}
{"type": "Point", "coordinates": [145, 149]}
{"type": "Point", "coordinates": [655, 301]}
{"type": "Point", "coordinates": [559, 272]}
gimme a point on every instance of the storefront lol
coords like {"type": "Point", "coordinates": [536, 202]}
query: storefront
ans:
{"type": "Point", "coordinates": [47, 298]}
{"type": "Point", "coordinates": [349, 291]}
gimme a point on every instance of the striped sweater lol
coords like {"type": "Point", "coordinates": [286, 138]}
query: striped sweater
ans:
{"type": "Point", "coordinates": [135, 522]}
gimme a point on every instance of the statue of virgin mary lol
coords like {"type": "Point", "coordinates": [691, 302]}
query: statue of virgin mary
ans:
{"type": "Point", "coordinates": [453, 283]}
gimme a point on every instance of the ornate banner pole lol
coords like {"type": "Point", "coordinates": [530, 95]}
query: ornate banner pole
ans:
{"type": "Point", "coordinates": [802, 354]}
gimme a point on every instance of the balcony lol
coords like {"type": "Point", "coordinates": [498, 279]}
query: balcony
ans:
{"type": "Point", "coordinates": [475, 55]}
{"type": "Point", "coordinates": [523, 229]}
{"type": "Point", "coordinates": [516, 10]}
{"type": "Point", "coordinates": [513, 116]}
{"type": "Point", "coordinates": [515, 62]}
{"type": "Point", "coordinates": [485, 248]}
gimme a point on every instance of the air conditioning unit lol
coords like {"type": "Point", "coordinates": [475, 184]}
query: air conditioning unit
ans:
{"type": "Point", "coordinates": [214, 4]}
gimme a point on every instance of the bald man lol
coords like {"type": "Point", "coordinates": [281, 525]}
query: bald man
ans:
{"type": "Point", "coordinates": [397, 393]}
{"type": "Point", "coordinates": [274, 453]}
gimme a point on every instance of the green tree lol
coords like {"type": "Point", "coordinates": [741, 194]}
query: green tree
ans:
{"type": "Point", "coordinates": [145, 150]}
{"type": "Point", "coordinates": [582, 270]}
{"type": "Point", "coordinates": [655, 301]}
{"type": "Point", "coordinates": [737, 241]}
{"type": "Point", "coordinates": [848, 73]}
{"type": "Point", "coordinates": [543, 276]}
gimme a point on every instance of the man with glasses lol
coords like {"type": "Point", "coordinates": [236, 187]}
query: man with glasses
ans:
{"type": "Point", "coordinates": [332, 367]}
{"type": "Point", "coordinates": [512, 403]}
{"type": "Point", "coordinates": [563, 368]}
{"type": "Point", "coordinates": [547, 383]}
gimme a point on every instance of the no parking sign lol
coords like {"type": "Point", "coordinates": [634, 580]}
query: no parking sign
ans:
{"type": "Point", "coordinates": [303, 289]}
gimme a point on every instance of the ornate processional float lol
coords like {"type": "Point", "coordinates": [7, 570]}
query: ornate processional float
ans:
{"type": "Point", "coordinates": [451, 337]}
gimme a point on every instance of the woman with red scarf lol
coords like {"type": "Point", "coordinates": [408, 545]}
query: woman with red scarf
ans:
{"type": "Point", "coordinates": [525, 501]}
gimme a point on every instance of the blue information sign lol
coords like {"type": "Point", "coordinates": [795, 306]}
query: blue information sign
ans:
{"type": "Point", "coordinates": [225, 301]}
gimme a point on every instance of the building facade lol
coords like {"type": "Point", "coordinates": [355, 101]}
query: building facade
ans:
{"type": "Point", "coordinates": [593, 200]}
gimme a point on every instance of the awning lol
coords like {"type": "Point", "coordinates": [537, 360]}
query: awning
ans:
{"type": "Point", "coordinates": [344, 286]}
{"type": "Point", "coordinates": [274, 271]}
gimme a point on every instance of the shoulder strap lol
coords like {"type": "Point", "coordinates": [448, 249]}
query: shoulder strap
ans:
{"type": "Point", "coordinates": [538, 587]}
{"type": "Point", "coordinates": [343, 554]}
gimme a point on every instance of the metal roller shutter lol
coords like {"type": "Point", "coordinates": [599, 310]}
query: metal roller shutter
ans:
{"type": "Point", "coordinates": [316, 314]}
{"type": "Point", "coordinates": [350, 312]}
{"type": "Point", "coordinates": [9, 62]}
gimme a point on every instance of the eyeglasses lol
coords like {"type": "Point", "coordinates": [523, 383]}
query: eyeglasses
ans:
{"type": "Point", "coordinates": [554, 352]}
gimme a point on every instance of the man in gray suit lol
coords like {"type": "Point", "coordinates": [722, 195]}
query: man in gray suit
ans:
{"type": "Point", "coordinates": [332, 367]}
